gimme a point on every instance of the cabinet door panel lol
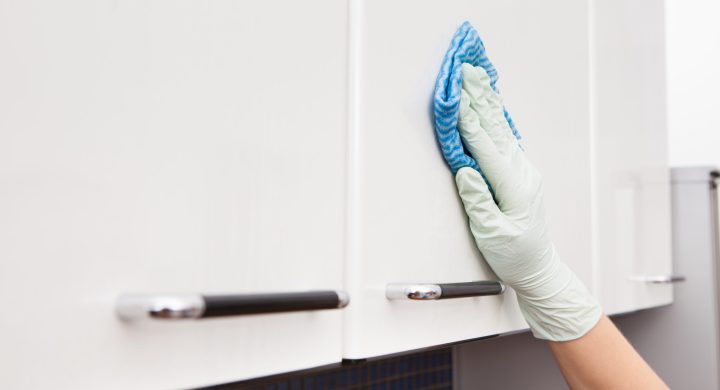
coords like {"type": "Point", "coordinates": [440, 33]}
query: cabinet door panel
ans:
{"type": "Point", "coordinates": [167, 146]}
{"type": "Point", "coordinates": [630, 141]}
{"type": "Point", "coordinates": [407, 223]}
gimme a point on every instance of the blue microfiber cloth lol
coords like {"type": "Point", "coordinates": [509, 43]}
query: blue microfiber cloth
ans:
{"type": "Point", "coordinates": [466, 46]}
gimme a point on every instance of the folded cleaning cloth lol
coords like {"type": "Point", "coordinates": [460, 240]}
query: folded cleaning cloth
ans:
{"type": "Point", "coordinates": [466, 47]}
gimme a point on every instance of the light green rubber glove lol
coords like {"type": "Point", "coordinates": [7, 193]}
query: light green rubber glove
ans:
{"type": "Point", "coordinates": [510, 229]}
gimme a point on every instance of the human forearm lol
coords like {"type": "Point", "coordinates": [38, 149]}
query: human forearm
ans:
{"type": "Point", "coordinates": [604, 359]}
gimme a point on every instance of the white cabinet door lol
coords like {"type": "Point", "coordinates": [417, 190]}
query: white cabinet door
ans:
{"type": "Point", "coordinates": [630, 145]}
{"type": "Point", "coordinates": [406, 222]}
{"type": "Point", "coordinates": [167, 146]}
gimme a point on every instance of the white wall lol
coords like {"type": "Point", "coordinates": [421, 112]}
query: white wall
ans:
{"type": "Point", "coordinates": [693, 68]}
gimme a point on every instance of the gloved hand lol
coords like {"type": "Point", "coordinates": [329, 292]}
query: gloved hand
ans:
{"type": "Point", "coordinates": [509, 229]}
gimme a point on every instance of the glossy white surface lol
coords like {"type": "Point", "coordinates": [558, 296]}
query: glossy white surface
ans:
{"type": "Point", "coordinates": [631, 171]}
{"type": "Point", "coordinates": [167, 146]}
{"type": "Point", "coordinates": [406, 222]}
{"type": "Point", "coordinates": [692, 81]}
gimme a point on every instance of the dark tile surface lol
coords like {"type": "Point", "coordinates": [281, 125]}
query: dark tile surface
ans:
{"type": "Point", "coordinates": [430, 370]}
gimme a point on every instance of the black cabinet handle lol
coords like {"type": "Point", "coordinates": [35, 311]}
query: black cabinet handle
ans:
{"type": "Point", "coordinates": [433, 291]}
{"type": "Point", "coordinates": [659, 279]}
{"type": "Point", "coordinates": [131, 307]}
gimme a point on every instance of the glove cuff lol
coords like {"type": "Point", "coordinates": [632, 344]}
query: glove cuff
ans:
{"type": "Point", "coordinates": [568, 314]}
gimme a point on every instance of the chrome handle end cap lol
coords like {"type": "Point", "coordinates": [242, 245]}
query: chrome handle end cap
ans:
{"type": "Point", "coordinates": [343, 298]}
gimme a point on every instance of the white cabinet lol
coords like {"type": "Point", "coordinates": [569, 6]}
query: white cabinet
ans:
{"type": "Point", "coordinates": [239, 147]}
{"type": "Point", "coordinates": [167, 146]}
{"type": "Point", "coordinates": [630, 147]}
{"type": "Point", "coordinates": [406, 222]}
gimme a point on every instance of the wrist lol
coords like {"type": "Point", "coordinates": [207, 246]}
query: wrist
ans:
{"type": "Point", "coordinates": [557, 305]}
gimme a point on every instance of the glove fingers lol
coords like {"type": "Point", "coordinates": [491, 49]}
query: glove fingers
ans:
{"type": "Point", "coordinates": [483, 118]}
{"type": "Point", "coordinates": [479, 144]}
{"type": "Point", "coordinates": [502, 130]}
{"type": "Point", "coordinates": [488, 106]}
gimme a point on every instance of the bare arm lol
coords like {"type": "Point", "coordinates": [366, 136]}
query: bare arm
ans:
{"type": "Point", "coordinates": [604, 359]}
